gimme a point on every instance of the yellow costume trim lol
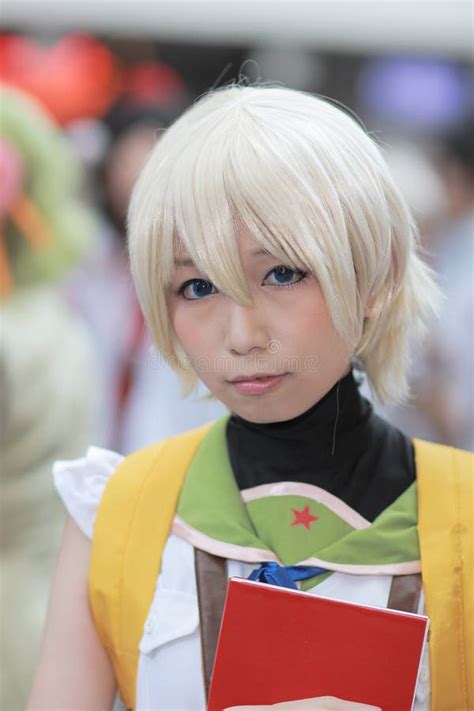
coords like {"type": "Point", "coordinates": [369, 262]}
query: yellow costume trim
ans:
{"type": "Point", "coordinates": [130, 534]}
{"type": "Point", "coordinates": [445, 483]}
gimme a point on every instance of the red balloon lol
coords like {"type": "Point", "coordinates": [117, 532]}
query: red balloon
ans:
{"type": "Point", "coordinates": [152, 83]}
{"type": "Point", "coordinates": [77, 77]}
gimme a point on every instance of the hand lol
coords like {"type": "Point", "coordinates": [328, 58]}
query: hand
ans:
{"type": "Point", "coordinates": [318, 703]}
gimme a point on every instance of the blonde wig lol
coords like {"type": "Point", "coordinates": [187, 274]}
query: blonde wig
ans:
{"type": "Point", "coordinates": [312, 187]}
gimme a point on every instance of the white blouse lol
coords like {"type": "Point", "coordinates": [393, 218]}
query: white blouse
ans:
{"type": "Point", "coordinates": [169, 668]}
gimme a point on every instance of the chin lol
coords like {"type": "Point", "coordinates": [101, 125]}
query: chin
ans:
{"type": "Point", "coordinates": [261, 413]}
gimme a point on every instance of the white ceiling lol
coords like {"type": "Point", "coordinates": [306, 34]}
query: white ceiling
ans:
{"type": "Point", "coordinates": [440, 26]}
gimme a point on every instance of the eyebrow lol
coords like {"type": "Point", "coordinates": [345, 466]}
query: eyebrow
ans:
{"type": "Point", "coordinates": [261, 252]}
{"type": "Point", "coordinates": [184, 262]}
{"type": "Point", "coordinates": [188, 262]}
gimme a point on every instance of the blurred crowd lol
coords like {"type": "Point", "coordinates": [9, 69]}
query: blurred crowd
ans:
{"type": "Point", "coordinates": [78, 118]}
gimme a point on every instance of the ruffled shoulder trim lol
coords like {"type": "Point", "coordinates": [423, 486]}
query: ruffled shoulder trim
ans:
{"type": "Point", "coordinates": [81, 483]}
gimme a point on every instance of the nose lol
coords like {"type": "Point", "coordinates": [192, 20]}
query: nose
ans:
{"type": "Point", "coordinates": [245, 329]}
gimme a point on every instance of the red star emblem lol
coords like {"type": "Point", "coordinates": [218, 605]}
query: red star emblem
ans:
{"type": "Point", "coordinates": [303, 518]}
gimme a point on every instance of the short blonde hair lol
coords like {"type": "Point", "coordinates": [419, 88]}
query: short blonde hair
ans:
{"type": "Point", "coordinates": [311, 186]}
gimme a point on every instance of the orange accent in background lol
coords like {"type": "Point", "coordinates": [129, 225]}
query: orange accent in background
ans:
{"type": "Point", "coordinates": [26, 216]}
{"type": "Point", "coordinates": [6, 280]}
{"type": "Point", "coordinates": [31, 223]}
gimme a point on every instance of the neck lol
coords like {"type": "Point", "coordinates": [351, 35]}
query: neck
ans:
{"type": "Point", "coordinates": [339, 445]}
{"type": "Point", "coordinates": [326, 411]}
{"type": "Point", "coordinates": [294, 449]}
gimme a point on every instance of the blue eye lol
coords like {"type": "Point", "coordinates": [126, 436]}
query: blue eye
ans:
{"type": "Point", "coordinates": [196, 289]}
{"type": "Point", "coordinates": [281, 276]}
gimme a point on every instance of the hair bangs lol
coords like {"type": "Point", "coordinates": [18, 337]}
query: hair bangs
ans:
{"type": "Point", "coordinates": [201, 210]}
{"type": "Point", "coordinates": [295, 214]}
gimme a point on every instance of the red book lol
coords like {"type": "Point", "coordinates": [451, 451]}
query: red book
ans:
{"type": "Point", "coordinates": [277, 644]}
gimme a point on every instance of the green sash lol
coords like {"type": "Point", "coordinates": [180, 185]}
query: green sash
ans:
{"type": "Point", "coordinates": [290, 522]}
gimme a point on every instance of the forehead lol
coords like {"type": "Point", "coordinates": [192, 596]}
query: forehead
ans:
{"type": "Point", "coordinates": [247, 245]}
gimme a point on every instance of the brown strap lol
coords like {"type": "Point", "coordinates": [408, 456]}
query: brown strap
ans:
{"type": "Point", "coordinates": [211, 580]}
{"type": "Point", "coordinates": [405, 593]}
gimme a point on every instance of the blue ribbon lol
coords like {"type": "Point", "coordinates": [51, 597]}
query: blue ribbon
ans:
{"type": "Point", "coordinates": [284, 575]}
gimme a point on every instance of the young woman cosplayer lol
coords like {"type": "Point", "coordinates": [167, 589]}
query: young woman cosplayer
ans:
{"type": "Point", "coordinates": [270, 249]}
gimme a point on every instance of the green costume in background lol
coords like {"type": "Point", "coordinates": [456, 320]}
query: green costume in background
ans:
{"type": "Point", "coordinates": [47, 378]}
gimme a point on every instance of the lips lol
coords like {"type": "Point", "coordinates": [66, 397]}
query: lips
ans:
{"type": "Point", "coordinates": [257, 376]}
{"type": "Point", "coordinates": [256, 384]}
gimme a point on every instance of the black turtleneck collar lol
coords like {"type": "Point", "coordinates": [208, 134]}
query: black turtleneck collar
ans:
{"type": "Point", "coordinates": [339, 444]}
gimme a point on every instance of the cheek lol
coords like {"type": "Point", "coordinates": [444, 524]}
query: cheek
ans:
{"type": "Point", "coordinates": [183, 325]}
{"type": "Point", "coordinates": [306, 319]}
{"type": "Point", "coordinates": [309, 328]}
{"type": "Point", "coordinates": [179, 321]}
{"type": "Point", "coordinates": [194, 327]}
{"type": "Point", "coordinates": [185, 328]}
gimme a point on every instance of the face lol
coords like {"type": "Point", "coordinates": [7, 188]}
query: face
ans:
{"type": "Point", "coordinates": [267, 362]}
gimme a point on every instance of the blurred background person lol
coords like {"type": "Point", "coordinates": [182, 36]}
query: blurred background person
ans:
{"type": "Point", "coordinates": [141, 396]}
{"type": "Point", "coordinates": [444, 376]}
{"type": "Point", "coordinates": [47, 377]}
{"type": "Point", "coordinates": [116, 112]}
{"type": "Point", "coordinates": [423, 109]}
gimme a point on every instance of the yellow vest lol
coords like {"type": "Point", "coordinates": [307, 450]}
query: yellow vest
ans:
{"type": "Point", "coordinates": [124, 566]}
